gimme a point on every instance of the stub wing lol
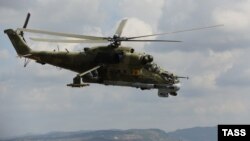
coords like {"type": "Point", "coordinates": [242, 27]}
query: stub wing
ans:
{"type": "Point", "coordinates": [77, 80]}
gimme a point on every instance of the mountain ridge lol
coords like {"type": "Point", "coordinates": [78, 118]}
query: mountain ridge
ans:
{"type": "Point", "coordinates": [189, 134]}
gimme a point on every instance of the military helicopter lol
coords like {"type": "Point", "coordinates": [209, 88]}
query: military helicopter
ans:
{"type": "Point", "coordinates": [112, 64]}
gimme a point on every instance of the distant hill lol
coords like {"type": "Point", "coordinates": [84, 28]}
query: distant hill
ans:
{"type": "Point", "coordinates": [191, 134]}
{"type": "Point", "coordinates": [195, 134]}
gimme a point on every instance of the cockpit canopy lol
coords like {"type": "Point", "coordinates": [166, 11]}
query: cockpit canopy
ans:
{"type": "Point", "coordinates": [152, 67]}
{"type": "Point", "coordinates": [146, 59]}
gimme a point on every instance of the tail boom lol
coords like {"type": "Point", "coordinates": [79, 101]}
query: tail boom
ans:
{"type": "Point", "coordinates": [18, 42]}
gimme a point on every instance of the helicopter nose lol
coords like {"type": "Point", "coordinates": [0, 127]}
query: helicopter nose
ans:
{"type": "Point", "coordinates": [177, 86]}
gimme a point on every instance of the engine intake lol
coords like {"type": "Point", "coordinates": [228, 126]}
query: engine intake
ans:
{"type": "Point", "coordinates": [109, 58]}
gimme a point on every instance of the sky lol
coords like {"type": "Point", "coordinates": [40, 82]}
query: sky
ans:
{"type": "Point", "coordinates": [35, 99]}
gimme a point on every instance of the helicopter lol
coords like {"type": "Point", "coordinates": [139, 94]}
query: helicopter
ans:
{"type": "Point", "coordinates": [111, 64]}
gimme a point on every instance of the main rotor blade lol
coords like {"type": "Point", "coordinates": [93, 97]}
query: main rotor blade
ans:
{"type": "Point", "coordinates": [68, 41]}
{"type": "Point", "coordinates": [120, 27]}
{"type": "Point", "coordinates": [150, 41]}
{"type": "Point", "coordinates": [178, 31]}
{"type": "Point", "coordinates": [61, 34]}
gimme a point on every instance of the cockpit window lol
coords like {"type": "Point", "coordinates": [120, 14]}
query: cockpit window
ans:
{"type": "Point", "coordinates": [169, 76]}
{"type": "Point", "coordinates": [152, 67]}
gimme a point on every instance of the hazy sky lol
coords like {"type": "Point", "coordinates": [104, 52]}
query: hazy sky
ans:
{"type": "Point", "coordinates": [35, 99]}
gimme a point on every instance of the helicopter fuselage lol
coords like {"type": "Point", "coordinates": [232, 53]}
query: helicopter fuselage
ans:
{"type": "Point", "coordinates": [114, 66]}
{"type": "Point", "coordinates": [120, 64]}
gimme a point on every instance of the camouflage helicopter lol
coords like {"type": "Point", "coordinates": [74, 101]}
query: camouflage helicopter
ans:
{"type": "Point", "coordinates": [112, 64]}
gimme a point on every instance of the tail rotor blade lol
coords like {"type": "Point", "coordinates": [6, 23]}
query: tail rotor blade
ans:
{"type": "Point", "coordinates": [26, 21]}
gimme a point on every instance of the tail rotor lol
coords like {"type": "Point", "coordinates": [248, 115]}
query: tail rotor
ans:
{"type": "Point", "coordinates": [25, 24]}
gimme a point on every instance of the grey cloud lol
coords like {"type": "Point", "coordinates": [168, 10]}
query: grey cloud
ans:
{"type": "Point", "coordinates": [179, 15]}
{"type": "Point", "coordinates": [4, 54]}
{"type": "Point", "coordinates": [67, 16]}
{"type": "Point", "coordinates": [16, 5]}
{"type": "Point", "coordinates": [238, 75]}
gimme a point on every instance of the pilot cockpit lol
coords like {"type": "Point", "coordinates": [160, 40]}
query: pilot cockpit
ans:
{"type": "Point", "coordinates": [152, 67]}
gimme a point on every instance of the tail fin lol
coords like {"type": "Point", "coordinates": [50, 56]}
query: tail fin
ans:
{"type": "Point", "coordinates": [18, 42]}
